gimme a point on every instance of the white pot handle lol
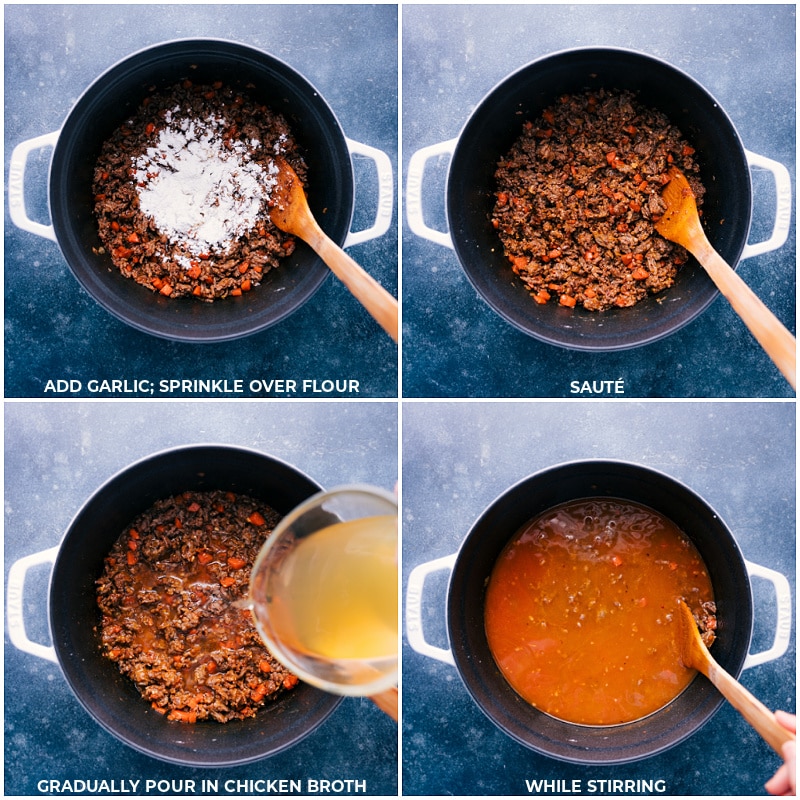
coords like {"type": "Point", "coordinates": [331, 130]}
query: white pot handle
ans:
{"type": "Point", "coordinates": [783, 205]}
{"type": "Point", "coordinates": [16, 185]}
{"type": "Point", "coordinates": [416, 170]}
{"type": "Point", "coordinates": [416, 585]}
{"type": "Point", "coordinates": [383, 213]}
{"type": "Point", "coordinates": [783, 622]}
{"type": "Point", "coordinates": [15, 613]}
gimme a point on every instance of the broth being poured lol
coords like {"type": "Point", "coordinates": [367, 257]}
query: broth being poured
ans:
{"type": "Point", "coordinates": [580, 610]}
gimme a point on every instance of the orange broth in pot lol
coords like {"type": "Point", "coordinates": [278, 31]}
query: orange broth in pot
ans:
{"type": "Point", "coordinates": [580, 610]}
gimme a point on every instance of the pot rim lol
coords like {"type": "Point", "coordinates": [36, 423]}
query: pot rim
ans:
{"type": "Point", "coordinates": [471, 666]}
{"type": "Point", "coordinates": [192, 756]}
{"type": "Point", "coordinates": [560, 335]}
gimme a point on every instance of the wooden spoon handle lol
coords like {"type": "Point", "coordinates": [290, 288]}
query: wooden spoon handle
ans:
{"type": "Point", "coordinates": [380, 304]}
{"type": "Point", "coordinates": [770, 333]}
{"type": "Point", "coordinates": [752, 709]}
{"type": "Point", "coordinates": [387, 702]}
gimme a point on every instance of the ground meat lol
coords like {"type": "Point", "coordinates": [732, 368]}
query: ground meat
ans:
{"type": "Point", "coordinates": [707, 622]}
{"type": "Point", "coordinates": [170, 619]}
{"type": "Point", "coordinates": [181, 192]}
{"type": "Point", "coordinates": [577, 196]}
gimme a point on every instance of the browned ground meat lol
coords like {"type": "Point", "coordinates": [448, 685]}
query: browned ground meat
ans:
{"type": "Point", "coordinates": [577, 196]}
{"type": "Point", "coordinates": [181, 192]}
{"type": "Point", "coordinates": [707, 622]}
{"type": "Point", "coordinates": [169, 616]}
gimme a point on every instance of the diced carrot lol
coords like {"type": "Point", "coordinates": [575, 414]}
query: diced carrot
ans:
{"type": "Point", "coordinates": [236, 563]}
{"type": "Point", "coordinates": [640, 274]}
{"type": "Point", "coordinates": [258, 694]}
{"type": "Point", "coordinates": [264, 666]}
{"type": "Point", "coordinates": [204, 557]}
{"type": "Point", "coordinates": [182, 716]}
{"type": "Point", "coordinates": [166, 290]}
{"type": "Point", "coordinates": [256, 519]}
{"type": "Point", "coordinates": [567, 300]}
{"type": "Point", "coordinates": [227, 581]}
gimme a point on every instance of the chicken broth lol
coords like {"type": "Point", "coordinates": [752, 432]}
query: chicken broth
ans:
{"type": "Point", "coordinates": [580, 610]}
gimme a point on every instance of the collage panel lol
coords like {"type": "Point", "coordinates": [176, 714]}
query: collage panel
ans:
{"type": "Point", "coordinates": [496, 496]}
{"type": "Point", "coordinates": [79, 474]}
{"type": "Point", "coordinates": [507, 258]}
{"type": "Point", "coordinates": [176, 280]}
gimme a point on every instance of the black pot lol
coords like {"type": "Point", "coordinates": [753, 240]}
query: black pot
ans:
{"type": "Point", "coordinates": [104, 692]}
{"type": "Point", "coordinates": [494, 126]}
{"type": "Point", "coordinates": [111, 99]}
{"type": "Point", "coordinates": [476, 558]}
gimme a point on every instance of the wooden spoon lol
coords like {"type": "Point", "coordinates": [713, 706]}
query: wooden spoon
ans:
{"type": "Point", "coordinates": [289, 211]}
{"type": "Point", "coordinates": [386, 702]}
{"type": "Point", "coordinates": [694, 654]}
{"type": "Point", "coordinates": [681, 223]}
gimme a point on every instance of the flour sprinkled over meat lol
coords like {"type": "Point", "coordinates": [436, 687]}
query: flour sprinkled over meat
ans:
{"type": "Point", "coordinates": [182, 192]}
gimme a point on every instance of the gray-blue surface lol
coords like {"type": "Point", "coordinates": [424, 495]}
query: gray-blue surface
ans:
{"type": "Point", "coordinates": [54, 329]}
{"type": "Point", "coordinates": [453, 56]}
{"type": "Point", "coordinates": [459, 457]}
{"type": "Point", "coordinates": [57, 456]}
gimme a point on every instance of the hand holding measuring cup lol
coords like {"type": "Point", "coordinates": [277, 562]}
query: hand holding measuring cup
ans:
{"type": "Point", "coordinates": [323, 593]}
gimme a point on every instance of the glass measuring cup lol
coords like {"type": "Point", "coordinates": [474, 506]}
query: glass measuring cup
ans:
{"type": "Point", "coordinates": [323, 592]}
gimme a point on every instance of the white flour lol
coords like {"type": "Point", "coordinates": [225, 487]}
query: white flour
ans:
{"type": "Point", "coordinates": [200, 193]}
